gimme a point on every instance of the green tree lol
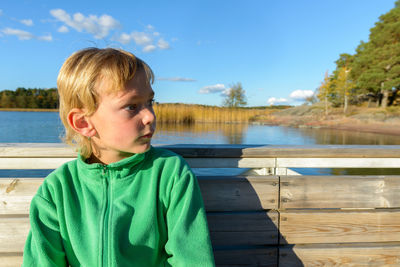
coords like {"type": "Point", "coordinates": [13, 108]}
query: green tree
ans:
{"type": "Point", "coordinates": [236, 96]}
{"type": "Point", "coordinates": [344, 86]}
{"type": "Point", "coordinates": [324, 91]}
{"type": "Point", "coordinates": [376, 66]}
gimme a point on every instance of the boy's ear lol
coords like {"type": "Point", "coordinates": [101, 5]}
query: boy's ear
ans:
{"type": "Point", "coordinates": [80, 123]}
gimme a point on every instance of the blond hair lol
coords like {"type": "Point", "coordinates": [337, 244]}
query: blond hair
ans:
{"type": "Point", "coordinates": [78, 79]}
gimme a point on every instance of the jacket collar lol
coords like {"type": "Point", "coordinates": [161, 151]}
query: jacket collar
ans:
{"type": "Point", "coordinates": [119, 169]}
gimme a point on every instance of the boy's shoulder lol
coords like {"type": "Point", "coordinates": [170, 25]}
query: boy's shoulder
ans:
{"type": "Point", "coordinates": [65, 170]}
{"type": "Point", "coordinates": [165, 156]}
{"type": "Point", "coordinates": [57, 179]}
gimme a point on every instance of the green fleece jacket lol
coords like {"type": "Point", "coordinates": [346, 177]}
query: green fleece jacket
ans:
{"type": "Point", "coordinates": [145, 210]}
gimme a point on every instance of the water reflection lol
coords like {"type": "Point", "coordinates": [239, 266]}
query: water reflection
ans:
{"type": "Point", "coordinates": [200, 133]}
{"type": "Point", "coordinates": [211, 133]}
{"type": "Point", "coordinates": [343, 137]}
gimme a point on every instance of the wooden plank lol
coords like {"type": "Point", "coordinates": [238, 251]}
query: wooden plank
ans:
{"type": "Point", "coordinates": [250, 193]}
{"type": "Point", "coordinates": [376, 255]}
{"type": "Point", "coordinates": [340, 192]}
{"type": "Point", "coordinates": [13, 233]}
{"type": "Point", "coordinates": [265, 257]}
{"type": "Point", "coordinates": [339, 226]}
{"type": "Point", "coordinates": [219, 193]}
{"type": "Point", "coordinates": [16, 194]}
{"type": "Point", "coordinates": [231, 162]}
{"type": "Point", "coordinates": [338, 162]}
{"type": "Point", "coordinates": [287, 151]}
{"type": "Point", "coordinates": [36, 150]}
{"type": "Point", "coordinates": [32, 163]}
{"type": "Point", "coordinates": [11, 259]}
{"type": "Point", "coordinates": [221, 151]}
{"type": "Point", "coordinates": [226, 230]}
{"type": "Point", "coordinates": [52, 163]}
{"type": "Point", "coordinates": [251, 228]}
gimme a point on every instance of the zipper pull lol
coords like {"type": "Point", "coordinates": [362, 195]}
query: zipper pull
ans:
{"type": "Point", "coordinates": [104, 169]}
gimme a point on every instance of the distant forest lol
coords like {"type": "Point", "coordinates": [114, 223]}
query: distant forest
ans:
{"type": "Point", "coordinates": [29, 98]}
{"type": "Point", "coordinates": [372, 73]}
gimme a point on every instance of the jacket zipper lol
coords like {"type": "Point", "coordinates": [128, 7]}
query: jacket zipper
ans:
{"type": "Point", "coordinates": [106, 218]}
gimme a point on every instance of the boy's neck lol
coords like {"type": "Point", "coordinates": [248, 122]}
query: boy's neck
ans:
{"type": "Point", "coordinates": [105, 159]}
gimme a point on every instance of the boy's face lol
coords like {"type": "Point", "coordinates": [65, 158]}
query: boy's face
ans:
{"type": "Point", "coordinates": [124, 121]}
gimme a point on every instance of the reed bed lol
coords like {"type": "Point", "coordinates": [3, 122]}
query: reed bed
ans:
{"type": "Point", "coordinates": [188, 114]}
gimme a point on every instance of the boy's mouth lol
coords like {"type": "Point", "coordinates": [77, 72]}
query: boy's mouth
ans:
{"type": "Point", "coordinates": [147, 136]}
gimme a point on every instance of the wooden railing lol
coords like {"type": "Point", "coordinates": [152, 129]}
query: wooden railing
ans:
{"type": "Point", "coordinates": [260, 215]}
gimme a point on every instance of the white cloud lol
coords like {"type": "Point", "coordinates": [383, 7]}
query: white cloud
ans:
{"type": "Point", "coordinates": [162, 44]}
{"type": "Point", "coordinates": [124, 38]}
{"type": "Point", "coordinates": [47, 38]}
{"type": "Point", "coordinates": [148, 39]}
{"type": "Point", "coordinates": [301, 94]}
{"type": "Point", "coordinates": [149, 48]}
{"type": "Point", "coordinates": [27, 22]}
{"type": "Point", "coordinates": [98, 26]}
{"type": "Point", "coordinates": [150, 27]}
{"type": "Point", "coordinates": [176, 79]}
{"type": "Point", "coordinates": [24, 35]}
{"type": "Point", "coordinates": [141, 38]}
{"type": "Point", "coordinates": [63, 29]}
{"type": "Point", "coordinates": [274, 101]}
{"type": "Point", "coordinates": [212, 89]}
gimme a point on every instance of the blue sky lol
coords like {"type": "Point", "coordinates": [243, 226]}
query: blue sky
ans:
{"type": "Point", "coordinates": [278, 50]}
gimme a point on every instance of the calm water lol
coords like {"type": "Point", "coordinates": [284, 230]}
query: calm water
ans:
{"type": "Point", "coordinates": [42, 127]}
{"type": "Point", "coordinates": [46, 127]}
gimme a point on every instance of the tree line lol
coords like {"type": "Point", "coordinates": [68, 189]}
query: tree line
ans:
{"type": "Point", "coordinates": [372, 73]}
{"type": "Point", "coordinates": [29, 98]}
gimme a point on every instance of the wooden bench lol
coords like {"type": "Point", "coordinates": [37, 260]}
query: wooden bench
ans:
{"type": "Point", "coordinates": [262, 214]}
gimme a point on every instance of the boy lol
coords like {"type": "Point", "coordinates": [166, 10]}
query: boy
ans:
{"type": "Point", "coordinates": [121, 202]}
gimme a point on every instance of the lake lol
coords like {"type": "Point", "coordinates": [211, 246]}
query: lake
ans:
{"type": "Point", "coordinates": [46, 127]}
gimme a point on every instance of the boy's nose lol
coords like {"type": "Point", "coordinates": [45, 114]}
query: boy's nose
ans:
{"type": "Point", "coordinates": [148, 116]}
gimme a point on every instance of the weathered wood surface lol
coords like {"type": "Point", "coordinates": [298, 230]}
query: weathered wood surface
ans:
{"type": "Point", "coordinates": [32, 163]}
{"type": "Point", "coordinates": [339, 226]}
{"type": "Point", "coordinates": [251, 228]}
{"type": "Point", "coordinates": [9, 150]}
{"type": "Point", "coordinates": [231, 162]}
{"type": "Point", "coordinates": [219, 193]}
{"type": "Point", "coordinates": [372, 162]}
{"type": "Point", "coordinates": [330, 220]}
{"type": "Point", "coordinates": [13, 233]}
{"type": "Point", "coordinates": [250, 193]}
{"type": "Point", "coordinates": [259, 228]}
{"type": "Point", "coordinates": [53, 163]}
{"type": "Point", "coordinates": [339, 192]}
{"type": "Point", "coordinates": [16, 194]}
{"type": "Point", "coordinates": [10, 259]}
{"type": "Point", "coordinates": [265, 257]}
{"type": "Point", "coordinates": [375, 254]}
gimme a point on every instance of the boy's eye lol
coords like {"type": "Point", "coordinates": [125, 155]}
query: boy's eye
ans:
{"type": "Point", "coordinates": [131, 107]}
{"type": "Point", "coordinates": [151, 102]}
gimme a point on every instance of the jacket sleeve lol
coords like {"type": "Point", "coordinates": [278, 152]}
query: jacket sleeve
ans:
{"type": "Point", "coordinates": [43, 246]}
{"type": "Point", "coordinates": [188, 235]}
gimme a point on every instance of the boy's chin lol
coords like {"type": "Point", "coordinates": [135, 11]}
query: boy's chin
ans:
{"type": "Point", "coordinates": [142, 148]}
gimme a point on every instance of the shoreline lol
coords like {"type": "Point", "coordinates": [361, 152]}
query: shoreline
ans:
{"type": "Point", "coordinates": [336, 123]}
{"type": "Point", "coordinates": [30, 109]}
